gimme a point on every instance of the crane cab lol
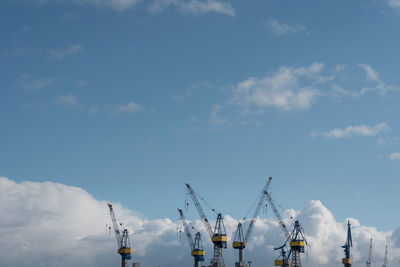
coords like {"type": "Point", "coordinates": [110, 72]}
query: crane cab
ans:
{"type": "Point", "coordinates": [239, 245]}
{"type": "Point", "coordinates": [220, 240]}
{"type": "Point", "coordinates": [126, 253]}
{"type": "Point", "coordinates": [298, 245]}
{"type": "Point", "coordinates": [198, 254]}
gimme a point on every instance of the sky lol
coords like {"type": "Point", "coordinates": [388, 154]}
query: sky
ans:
{"type": "Point", "coordinates": [127, 100]}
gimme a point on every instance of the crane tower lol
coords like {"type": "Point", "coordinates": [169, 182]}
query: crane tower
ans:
{"type": "Point", "coordinates": [124, 247]}
{"type": "Point", "coordinates": [385, 258]}
{"type": "Point", "coordinates": [347, 247]}
{"type": "Point", "coordinates": [369, 260]}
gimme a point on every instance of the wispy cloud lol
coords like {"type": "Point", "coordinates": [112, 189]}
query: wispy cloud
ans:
{"type": "Point", "coordinates": [216, 119]}
{"type": "Point", "coordinates": [394, 4]}
{"type": "Point", "coordinates": [281, 90]}
{"type": "Point", "coordinates": [395, 156]}
{"type": "Point", "coordinates": [131, 107]}
{"type": "Point", "coordinates": [60, 53]}
{"type": "Point", "coordinates": [67, 100]}
{"type": "Point", "coordinates": [194, 6]}
{"type": "Point", "coordinates": [350, 131]}
{"type": "Point", "coordinates": [30, 83]}
{"type": "Point", "coordinates": [372, 75]}
{"type": "Point", "coordinates": [283, 28]}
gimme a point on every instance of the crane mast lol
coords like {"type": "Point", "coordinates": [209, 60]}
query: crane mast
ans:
{"type": "Point", "coordinates": [124, 248]}
{"type": "Point", "coordinates": [369, 260]}
{"type": "Point", "coordinates": [196, 246]}
{"type": "Point", "coordinates": [218, 235]}
{"type": "Point", "coordinates": [385, 258]}
{"type": "Point", "coordinates": [347, 247]}
{"type": "Point", "coordinates": [240, 241]}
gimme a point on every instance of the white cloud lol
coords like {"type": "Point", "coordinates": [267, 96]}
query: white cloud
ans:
{"type": "Point", "coordinates": [128, 108]}
{"type": "Point", "coordinates": [194, 6]}
{"type": "Point", "coordinates": [357, 130]}
{"type": "Point", "coordinates": [372, 75]}
{"type": "Point", "coordinates": [29, 83]}
{"type": "Point", "coordinates": [67, 100]}
{"type": "Point", "coordinates": [395, 156]}
{"type": "Point", "coordinates": [60, 53]}
{"type": "Point", "coordinates": [281, 90]}
{"type": "Point", "coordinates": [282, 28]}
{"type": "Point", "coordinates": [47, 215]}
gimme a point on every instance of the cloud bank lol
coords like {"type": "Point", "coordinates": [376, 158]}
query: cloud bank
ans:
{"type": "Point", "coordinates": [51, 224]}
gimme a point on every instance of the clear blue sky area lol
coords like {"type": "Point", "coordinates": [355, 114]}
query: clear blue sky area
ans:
{"type": "Point", "coordinates": [130, 102]}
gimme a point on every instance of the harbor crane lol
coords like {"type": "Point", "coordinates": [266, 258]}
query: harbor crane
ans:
{"type": "Point", "coordinates": [124, 247]}
{"type": "Point", "coordinates": [240, 241]}
{"type": "Point", "coordinates": [297, 240]}
{"type": "Point", "coordinates": [196, 245]}
{"type": "Point", "coordinates": [369, 260]}
{"type": "Point", "coordinates": [283, 259]}
{"type": "Point", "coordinates": [385, 258]}
{"type": "Point", "coordinates": [347, 247]}
{"type": "Point", "coordinates": [218, 235]}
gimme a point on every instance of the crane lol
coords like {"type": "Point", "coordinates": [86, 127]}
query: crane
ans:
{"type": "Point", "coordinates": [218, 235]}
{"type": "Point", "coordinates": [297, 243]}
{"type": "Point", "coordinates": [347, 247]}
{"type": "Point", "coordinates": [124, 247]}
{"type": "Point", "coordinates": [282, 260]}
{"type": "Point", "coordinates": [297, 239]}
{"type": "Point", "coordinates": [369, 260]}
{"type": "Point", "coordinates": [196, 245]}
{"type": "Point", "coordinates": [385, 258]}
{"type": "Point", "coordinates": [240, 241]}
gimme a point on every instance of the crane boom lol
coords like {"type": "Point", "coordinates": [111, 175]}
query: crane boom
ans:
{"type": "Point", "coordinates": [200, 210]}
{"type": "Point", "coordinates": [277, 215]}
{"type": "Point", "coordinates": [187, 230]}
{"type": "Point", "coordinates": [115, 224]}
{"type": "Point", "coordinates": [257, 210]}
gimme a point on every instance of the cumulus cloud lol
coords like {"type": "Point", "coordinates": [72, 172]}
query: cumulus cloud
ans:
{"type": "Point", "coordinates": [53, 224]}
{"type": "Point", "coordinates": [281, 90]}
{"type": "Point", "coordinates": [350, 131]}
{"type": "Point", "coordinates": [30, 83]}
{"type": "Point", "coordinates": [60, 53]}
{"type": "Point", "coordinates": [394, 156]}
{"type": "Point", "coordinates": [127, 108]}
{"type": "Point", "coordinates": [194, 6]}
{"type": "Point", "coordinates": [282, 28]}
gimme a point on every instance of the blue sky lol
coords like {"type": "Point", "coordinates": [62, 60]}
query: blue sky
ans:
{"type": "Point", "coordinates": [130, 99]}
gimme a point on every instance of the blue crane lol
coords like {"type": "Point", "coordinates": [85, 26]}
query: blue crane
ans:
{"type": "Point", "coordinates": [124, 247]}
{"type": "Point", "coordinates": [240, 241]}
{"type": "Point", "coordinates": [195, 245]}
{"type": "Point", "coordinates": [347, 247]}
